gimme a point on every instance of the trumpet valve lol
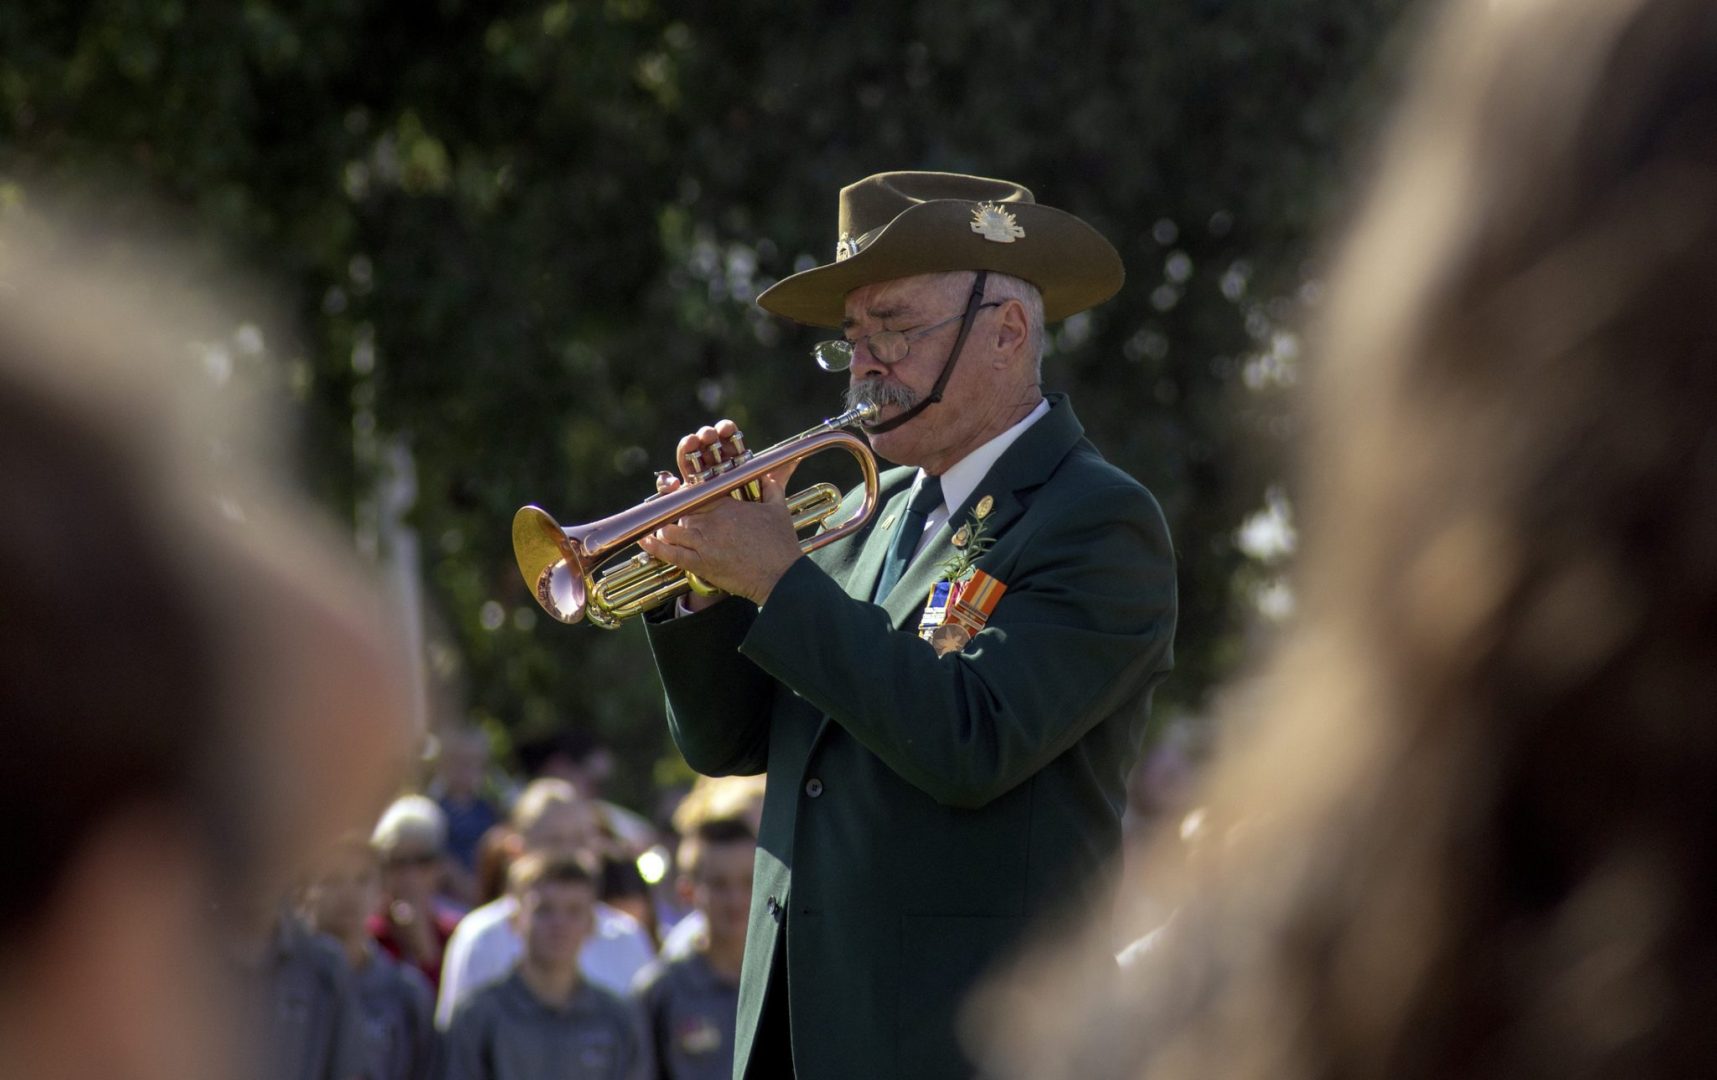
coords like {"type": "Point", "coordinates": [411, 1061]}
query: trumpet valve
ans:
{"type": "Point", "coordinates": [718, 463]}
{"type": "Point", "coordinates": [737, 455]}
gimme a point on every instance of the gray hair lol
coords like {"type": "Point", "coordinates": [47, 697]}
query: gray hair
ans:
{"type": "Point", "coordinates": [538, 796]}
{"type": "Point", "coordinates": [409, 818]}
{"type": "Point", "coordinates": [958, 283]}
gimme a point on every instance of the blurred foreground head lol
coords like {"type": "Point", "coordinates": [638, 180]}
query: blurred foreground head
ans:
{"type": "Point", "coordinates": [1473, 829]}
{"type": "Point", "coordinates": [197, 690]}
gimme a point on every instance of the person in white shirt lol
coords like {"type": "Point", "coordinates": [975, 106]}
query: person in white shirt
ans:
{"type": "Point", "coordinates": [550, 819]}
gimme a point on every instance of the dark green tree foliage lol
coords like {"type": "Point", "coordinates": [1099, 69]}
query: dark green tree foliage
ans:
{"type": "Point", "coordinates": [523, 240]}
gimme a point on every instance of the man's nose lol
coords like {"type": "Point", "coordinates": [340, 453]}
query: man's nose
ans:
{"type": "Point", "coordinates": [865, 363]}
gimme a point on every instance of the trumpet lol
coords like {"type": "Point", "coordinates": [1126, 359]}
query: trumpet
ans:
{"type": "Point", "coordinates": [585, 571]}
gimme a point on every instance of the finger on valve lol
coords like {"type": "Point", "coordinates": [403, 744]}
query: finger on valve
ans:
{"type": "Point", "coordinates": [691, 457]}
{"type": "Point", "coordinates": [703, 453]}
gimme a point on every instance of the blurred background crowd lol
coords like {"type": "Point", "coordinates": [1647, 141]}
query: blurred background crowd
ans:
{"type": "Point", "coordinates": [389, 934]}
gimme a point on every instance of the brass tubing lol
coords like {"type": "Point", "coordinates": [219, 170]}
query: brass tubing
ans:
{"type": "Point", "coordinates": [572, 571]}
{"type": "Point", "coordinates": [631, 587]}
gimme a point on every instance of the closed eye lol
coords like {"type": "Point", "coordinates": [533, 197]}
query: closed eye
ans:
{"type": "Point", "coordinates": [883, 315]}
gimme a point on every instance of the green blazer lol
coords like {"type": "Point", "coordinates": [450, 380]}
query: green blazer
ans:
{"type": "Point", "coordinates": [923, 810]}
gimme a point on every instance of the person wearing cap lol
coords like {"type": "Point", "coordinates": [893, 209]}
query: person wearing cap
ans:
{"type": "Point", "coordinates": [413, 923]}
{"type": "Point", "coordinates": [948, 700]}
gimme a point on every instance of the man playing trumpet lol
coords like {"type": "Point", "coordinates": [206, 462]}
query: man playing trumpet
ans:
{"type": "Point", "coordinates": [948, 701]}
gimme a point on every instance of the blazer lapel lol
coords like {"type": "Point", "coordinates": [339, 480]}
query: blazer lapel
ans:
{"type": "Point", "coordinates": [860, 580]}
{"type": "Point", "coordinates": [1025, 465]}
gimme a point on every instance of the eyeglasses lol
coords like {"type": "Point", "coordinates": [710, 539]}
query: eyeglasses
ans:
{"type": "Point", "coordinates": [888, 346]}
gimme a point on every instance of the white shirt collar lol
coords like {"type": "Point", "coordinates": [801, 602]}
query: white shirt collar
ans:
{"type": "Point", "coordinates": [963, 477]}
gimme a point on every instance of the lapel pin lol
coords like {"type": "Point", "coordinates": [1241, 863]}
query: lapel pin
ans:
{"type": "Point", "coordinates": [985, 505]}
{"type": "Point", "coordinates": [961, 537]}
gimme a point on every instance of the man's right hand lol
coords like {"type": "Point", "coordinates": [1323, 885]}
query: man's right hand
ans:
{"type": "Point", "coordinates": [744, 546]}
{"type": "Point", "coordinates": [694, 454]}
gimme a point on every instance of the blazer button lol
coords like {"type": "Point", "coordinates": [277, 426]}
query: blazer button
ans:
{"type": "Point", "coordinates": [813, 787]}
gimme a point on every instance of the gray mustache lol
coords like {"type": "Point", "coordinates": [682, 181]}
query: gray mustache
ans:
{"type": "Point", "coordinates": [880, 392]}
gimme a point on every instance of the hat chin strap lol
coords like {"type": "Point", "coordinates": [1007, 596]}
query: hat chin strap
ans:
{"type": "Point", "coordinates": [935, 394]}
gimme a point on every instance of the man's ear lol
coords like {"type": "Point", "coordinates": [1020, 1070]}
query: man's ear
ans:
{"type": "Point", "coordinates": [1012, 332]}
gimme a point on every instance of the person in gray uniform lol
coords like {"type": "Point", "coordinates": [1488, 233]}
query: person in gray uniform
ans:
{"type": "Point", "coordinates": [394, 998]}
{"type": "Point", "coordinates": [690, 1002]}
{"type": "Point", "coordinates": [545, 1021]}
{"type": "Point", "coordinates": [303, 1003]}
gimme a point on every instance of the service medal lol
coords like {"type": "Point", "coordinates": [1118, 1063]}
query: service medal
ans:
{"type": "Point", "coordinates": [935, 607]}
{"type": "Point", "coordinates": [949, 638]}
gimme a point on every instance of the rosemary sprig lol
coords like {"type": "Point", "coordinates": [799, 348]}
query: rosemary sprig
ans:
{"type": "Point", "coordinates": [960, 565]}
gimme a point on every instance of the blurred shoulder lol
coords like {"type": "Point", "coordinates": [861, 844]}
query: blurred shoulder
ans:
{"type": "Point", "coordinates": [611, 922]}
{"type": "Point", "coordinates": [648, 982]}
{"type": "Point", "coordinates": [412, 984]}
{"type": "Point", "coordinates": [608, 1004]}
{"type": "Point", "coordinates": [479, 1010]}
{"type": "Point", "coordinates": [481, 921]}
{"type": "Point", "coordinates": [316, 953]}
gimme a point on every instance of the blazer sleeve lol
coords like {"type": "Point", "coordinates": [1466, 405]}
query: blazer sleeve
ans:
{"type": "Point", "coordinates": [718, 702]}
{"type": "Point", "coordinates": [1083, 631]}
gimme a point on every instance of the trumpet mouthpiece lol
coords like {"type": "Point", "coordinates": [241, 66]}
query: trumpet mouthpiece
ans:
{"type": "Point", "coordinates": [862, 413]}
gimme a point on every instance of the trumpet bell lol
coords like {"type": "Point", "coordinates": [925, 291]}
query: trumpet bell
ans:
{"type": "Point", "coordinates": [546, 557]}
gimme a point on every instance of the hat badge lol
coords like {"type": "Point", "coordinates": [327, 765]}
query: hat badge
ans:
{"type": "Point", "coordinates": [993, 223]}
{"type": "Point", "coordinates": [849, 245]}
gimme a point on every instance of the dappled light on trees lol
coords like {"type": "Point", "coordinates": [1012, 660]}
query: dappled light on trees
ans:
{"type": "Point", "coordinates": [519, 243]}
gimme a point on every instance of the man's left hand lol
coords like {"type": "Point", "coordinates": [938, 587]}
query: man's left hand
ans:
{"type": "Point", "coordinates": [740, 547]}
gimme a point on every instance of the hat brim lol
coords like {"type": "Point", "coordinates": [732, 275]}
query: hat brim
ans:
{"type": "Point", "coordinates": [1071, 263]}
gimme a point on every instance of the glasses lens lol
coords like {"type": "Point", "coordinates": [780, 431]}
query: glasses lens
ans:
{"type": "Point", "coordinates": [833, 355]}
{"type": "Point", "coordinates": [889, 346]}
